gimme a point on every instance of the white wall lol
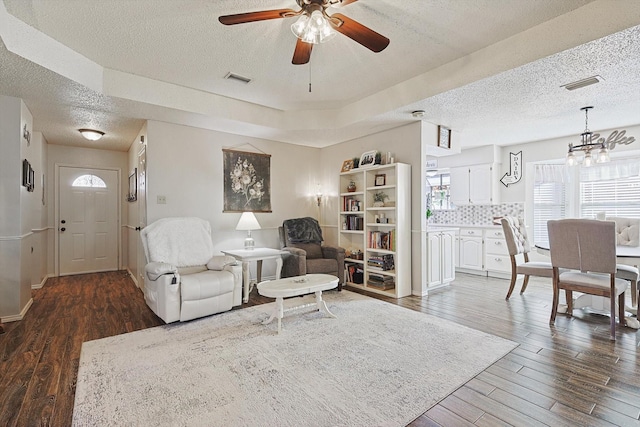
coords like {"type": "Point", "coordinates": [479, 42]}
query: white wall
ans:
{"type": "Point", "coordinates": [184, 165]}
{"type": "Point", "coordinates": [131, 236]}
{"type": "Point", "coordinates": [19, 211]}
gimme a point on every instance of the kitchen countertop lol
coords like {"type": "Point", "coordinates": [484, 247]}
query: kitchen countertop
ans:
{"type": "Point", "coordinates": [429, 226]}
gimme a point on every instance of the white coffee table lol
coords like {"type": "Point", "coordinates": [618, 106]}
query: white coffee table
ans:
{"type": "Point", "coordinates": [295, 286]}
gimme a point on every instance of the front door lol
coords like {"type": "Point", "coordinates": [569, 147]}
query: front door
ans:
{"type": "Point", "coordinates": [88, 220]}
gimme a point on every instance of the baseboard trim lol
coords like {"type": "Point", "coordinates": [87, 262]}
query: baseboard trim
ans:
{"type": "Point", "coordinates": [41, 284]}
{"type": "Point", "coordinates": [133, 277]}
{"type": "Point", "coordinates": [17, 317]}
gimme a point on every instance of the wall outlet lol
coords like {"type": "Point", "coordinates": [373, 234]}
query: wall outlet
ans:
{"type": "Point", "coordinates": [162, 200]}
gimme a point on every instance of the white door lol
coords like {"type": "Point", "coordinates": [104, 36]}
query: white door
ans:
{"type": "Point", "coordinates": [142, 212]}
{"type": "Point", "coordinates": [88, 215]}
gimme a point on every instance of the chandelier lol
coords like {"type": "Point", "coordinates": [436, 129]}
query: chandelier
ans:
{"type": "Point", "coordinates": [313, 27]}
{"type": "Point", "coordinates": [587, 145]}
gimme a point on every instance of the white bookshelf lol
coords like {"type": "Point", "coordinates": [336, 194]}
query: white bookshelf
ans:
{"type": "Point", "coordinates": [377, 232]}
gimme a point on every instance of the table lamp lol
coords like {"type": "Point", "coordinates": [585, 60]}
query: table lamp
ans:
{"type": "Point", "coordinates": [248, 222]}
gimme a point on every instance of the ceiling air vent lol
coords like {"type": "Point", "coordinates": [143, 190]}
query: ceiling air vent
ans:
{"type": "Point", "coordinates": [237, 77]}
{"type": "Point", "coordinates": [582, 83]}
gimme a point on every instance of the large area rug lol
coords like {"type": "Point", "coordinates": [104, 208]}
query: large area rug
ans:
{"type": "Point", "coordinates": [377, 364]}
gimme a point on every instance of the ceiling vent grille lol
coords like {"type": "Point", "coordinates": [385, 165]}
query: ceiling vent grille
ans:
{"type": "Point", "coordinates": [582, 83]}
{"type": "Point", "coordinates": [237, 77]}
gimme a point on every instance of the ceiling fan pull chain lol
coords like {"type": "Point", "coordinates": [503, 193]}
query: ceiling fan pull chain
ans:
{"type": "Point", "coordinates": [309, 76]}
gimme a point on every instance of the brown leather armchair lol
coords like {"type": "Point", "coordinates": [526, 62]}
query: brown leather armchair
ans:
{"type": "Point", "coordinates": [302, 238]}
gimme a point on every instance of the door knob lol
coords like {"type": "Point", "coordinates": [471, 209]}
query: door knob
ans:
{"type": "Point", "coordinates": [63, 222]}
{"type": "Point", "coordinates": [138, 228]}
{"type": "Point", "coordinates": [62, 229]}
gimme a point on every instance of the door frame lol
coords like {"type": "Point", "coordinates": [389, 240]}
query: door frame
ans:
{"type": "Point", "coordinates": [56, 211]}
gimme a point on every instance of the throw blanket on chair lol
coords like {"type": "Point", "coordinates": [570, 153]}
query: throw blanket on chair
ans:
{"type": "Point", "coordinates": [303, 230]}
{"type": "Point", "coordinates": [183, 242]}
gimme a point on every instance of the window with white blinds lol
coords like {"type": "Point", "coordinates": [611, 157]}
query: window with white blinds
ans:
{"type": "Point", "coordinates": [615, 197]}
{"type": "Point", "coordinates": [612, 189]}
{"type": "Point", "coordinates": [549, 202]}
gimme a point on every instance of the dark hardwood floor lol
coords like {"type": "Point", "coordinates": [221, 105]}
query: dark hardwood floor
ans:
{"type": "Point", "coordinates": [569, 374]}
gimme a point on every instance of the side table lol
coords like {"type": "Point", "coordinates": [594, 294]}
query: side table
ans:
{"type": "Point", "coordinates": [258, 254]}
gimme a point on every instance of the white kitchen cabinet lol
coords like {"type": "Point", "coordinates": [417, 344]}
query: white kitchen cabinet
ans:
{"type": "Point", "coordinates": [496, 258]}
{"type": "Point", "coordinates": [475, 185]}
{"type": "Point", "coordinates": [440, 257]}
{"type": "Point", "coordinates": [471, 249]}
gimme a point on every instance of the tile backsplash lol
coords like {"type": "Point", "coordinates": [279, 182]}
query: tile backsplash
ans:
{"type": "Point", "coordinates": [476, 214]}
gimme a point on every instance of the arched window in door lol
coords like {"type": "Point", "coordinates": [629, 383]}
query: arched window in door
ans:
{"type": "Point", "coordinates": [89, 181]}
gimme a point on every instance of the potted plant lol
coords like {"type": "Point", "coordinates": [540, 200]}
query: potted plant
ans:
{"type": "Point", "coordinates": [378, 198]}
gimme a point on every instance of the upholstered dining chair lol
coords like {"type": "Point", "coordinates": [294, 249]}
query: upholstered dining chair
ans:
{"type": "Point", "coordinates": [586, 247]}
{"type": "Point", "coordinates": [515, 235]}
{"type": "Point", "coordinates": [627, 234]}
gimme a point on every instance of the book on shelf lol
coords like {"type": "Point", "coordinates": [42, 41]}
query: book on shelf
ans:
{"type": "Point", "coordinates": [350, 204]}
{"type": "Point", "coordinates": [381, 262]}
{"type": "Point", "coordinates": [382, 240]}
{"type": "Point", "coordinates": [353, 222]}
{"type": "Point", "coordinates": [355, 274]}
{"type": "Point", "coordinates": [384, 285]}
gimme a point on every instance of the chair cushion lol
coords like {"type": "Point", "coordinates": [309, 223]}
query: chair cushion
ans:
{"type": "Point", "coordinates": [322, 265]}
{"type": "Point", "coordinates": [313, 250]}
{"type": "Point", "coordinates": [592, 280]}
{"type": "Point", "coordinates": [192, 270]}
{"type": "Point", "coordinates": [627, 272]}
{"type": "Point", "coordinates": [533, 268]}
{"type": "Point", "coordinates": [206, 284]}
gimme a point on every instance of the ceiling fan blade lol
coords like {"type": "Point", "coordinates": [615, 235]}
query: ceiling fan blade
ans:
{"type": "Point", "coordinates": [263, 15]}
{"type": "Point", "coordinates": [302, 54]}
{"type": "Point", "coordinates": [359, 33]}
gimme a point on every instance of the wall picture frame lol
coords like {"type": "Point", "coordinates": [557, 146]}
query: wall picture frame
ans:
{"type": "Point", "coordinates": [380, 180]}
{"type": "Point", "coordinates": [347, 165]}
{"type": "Point", "coordinates": [444, 137]}
{"type": "Point", "coordinates": [247, 181]}
{"type": "Point", "coordinates": [368, 159]}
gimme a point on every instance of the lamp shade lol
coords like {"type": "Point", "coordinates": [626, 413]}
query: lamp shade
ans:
{"type": "Point", "coordinates": [248, 221]}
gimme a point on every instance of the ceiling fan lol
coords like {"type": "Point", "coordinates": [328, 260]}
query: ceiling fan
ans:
{"type": "Point", "coordinates": [314, 26]}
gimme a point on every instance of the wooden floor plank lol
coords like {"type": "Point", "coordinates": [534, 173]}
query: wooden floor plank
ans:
{"type": "Point", "coordinates": [565, 374]}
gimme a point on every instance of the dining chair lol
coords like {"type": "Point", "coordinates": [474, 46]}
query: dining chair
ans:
{"type": "Point", "coordinates": [515, 235]}
{"type": "Point", "coordinates": [587, 248]}
{"type": "Point", "coordinates": [626, 235]}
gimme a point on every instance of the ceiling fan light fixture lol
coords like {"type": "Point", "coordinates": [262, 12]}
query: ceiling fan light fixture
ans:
{"type": "Point", "coordinates": [314, 28]}
{"type": "Point", "coordinates": [91, 134]}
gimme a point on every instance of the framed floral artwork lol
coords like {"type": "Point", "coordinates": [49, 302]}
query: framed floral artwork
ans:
{"type": "Point", "coordinates": [247, 181]}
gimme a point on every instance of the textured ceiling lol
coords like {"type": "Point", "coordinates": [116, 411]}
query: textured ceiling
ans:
{"type": "Point", "coordinates": [489, 69]}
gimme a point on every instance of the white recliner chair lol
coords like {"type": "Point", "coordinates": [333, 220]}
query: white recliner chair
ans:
{"type": "Point", "coordinates": [183, 279]}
